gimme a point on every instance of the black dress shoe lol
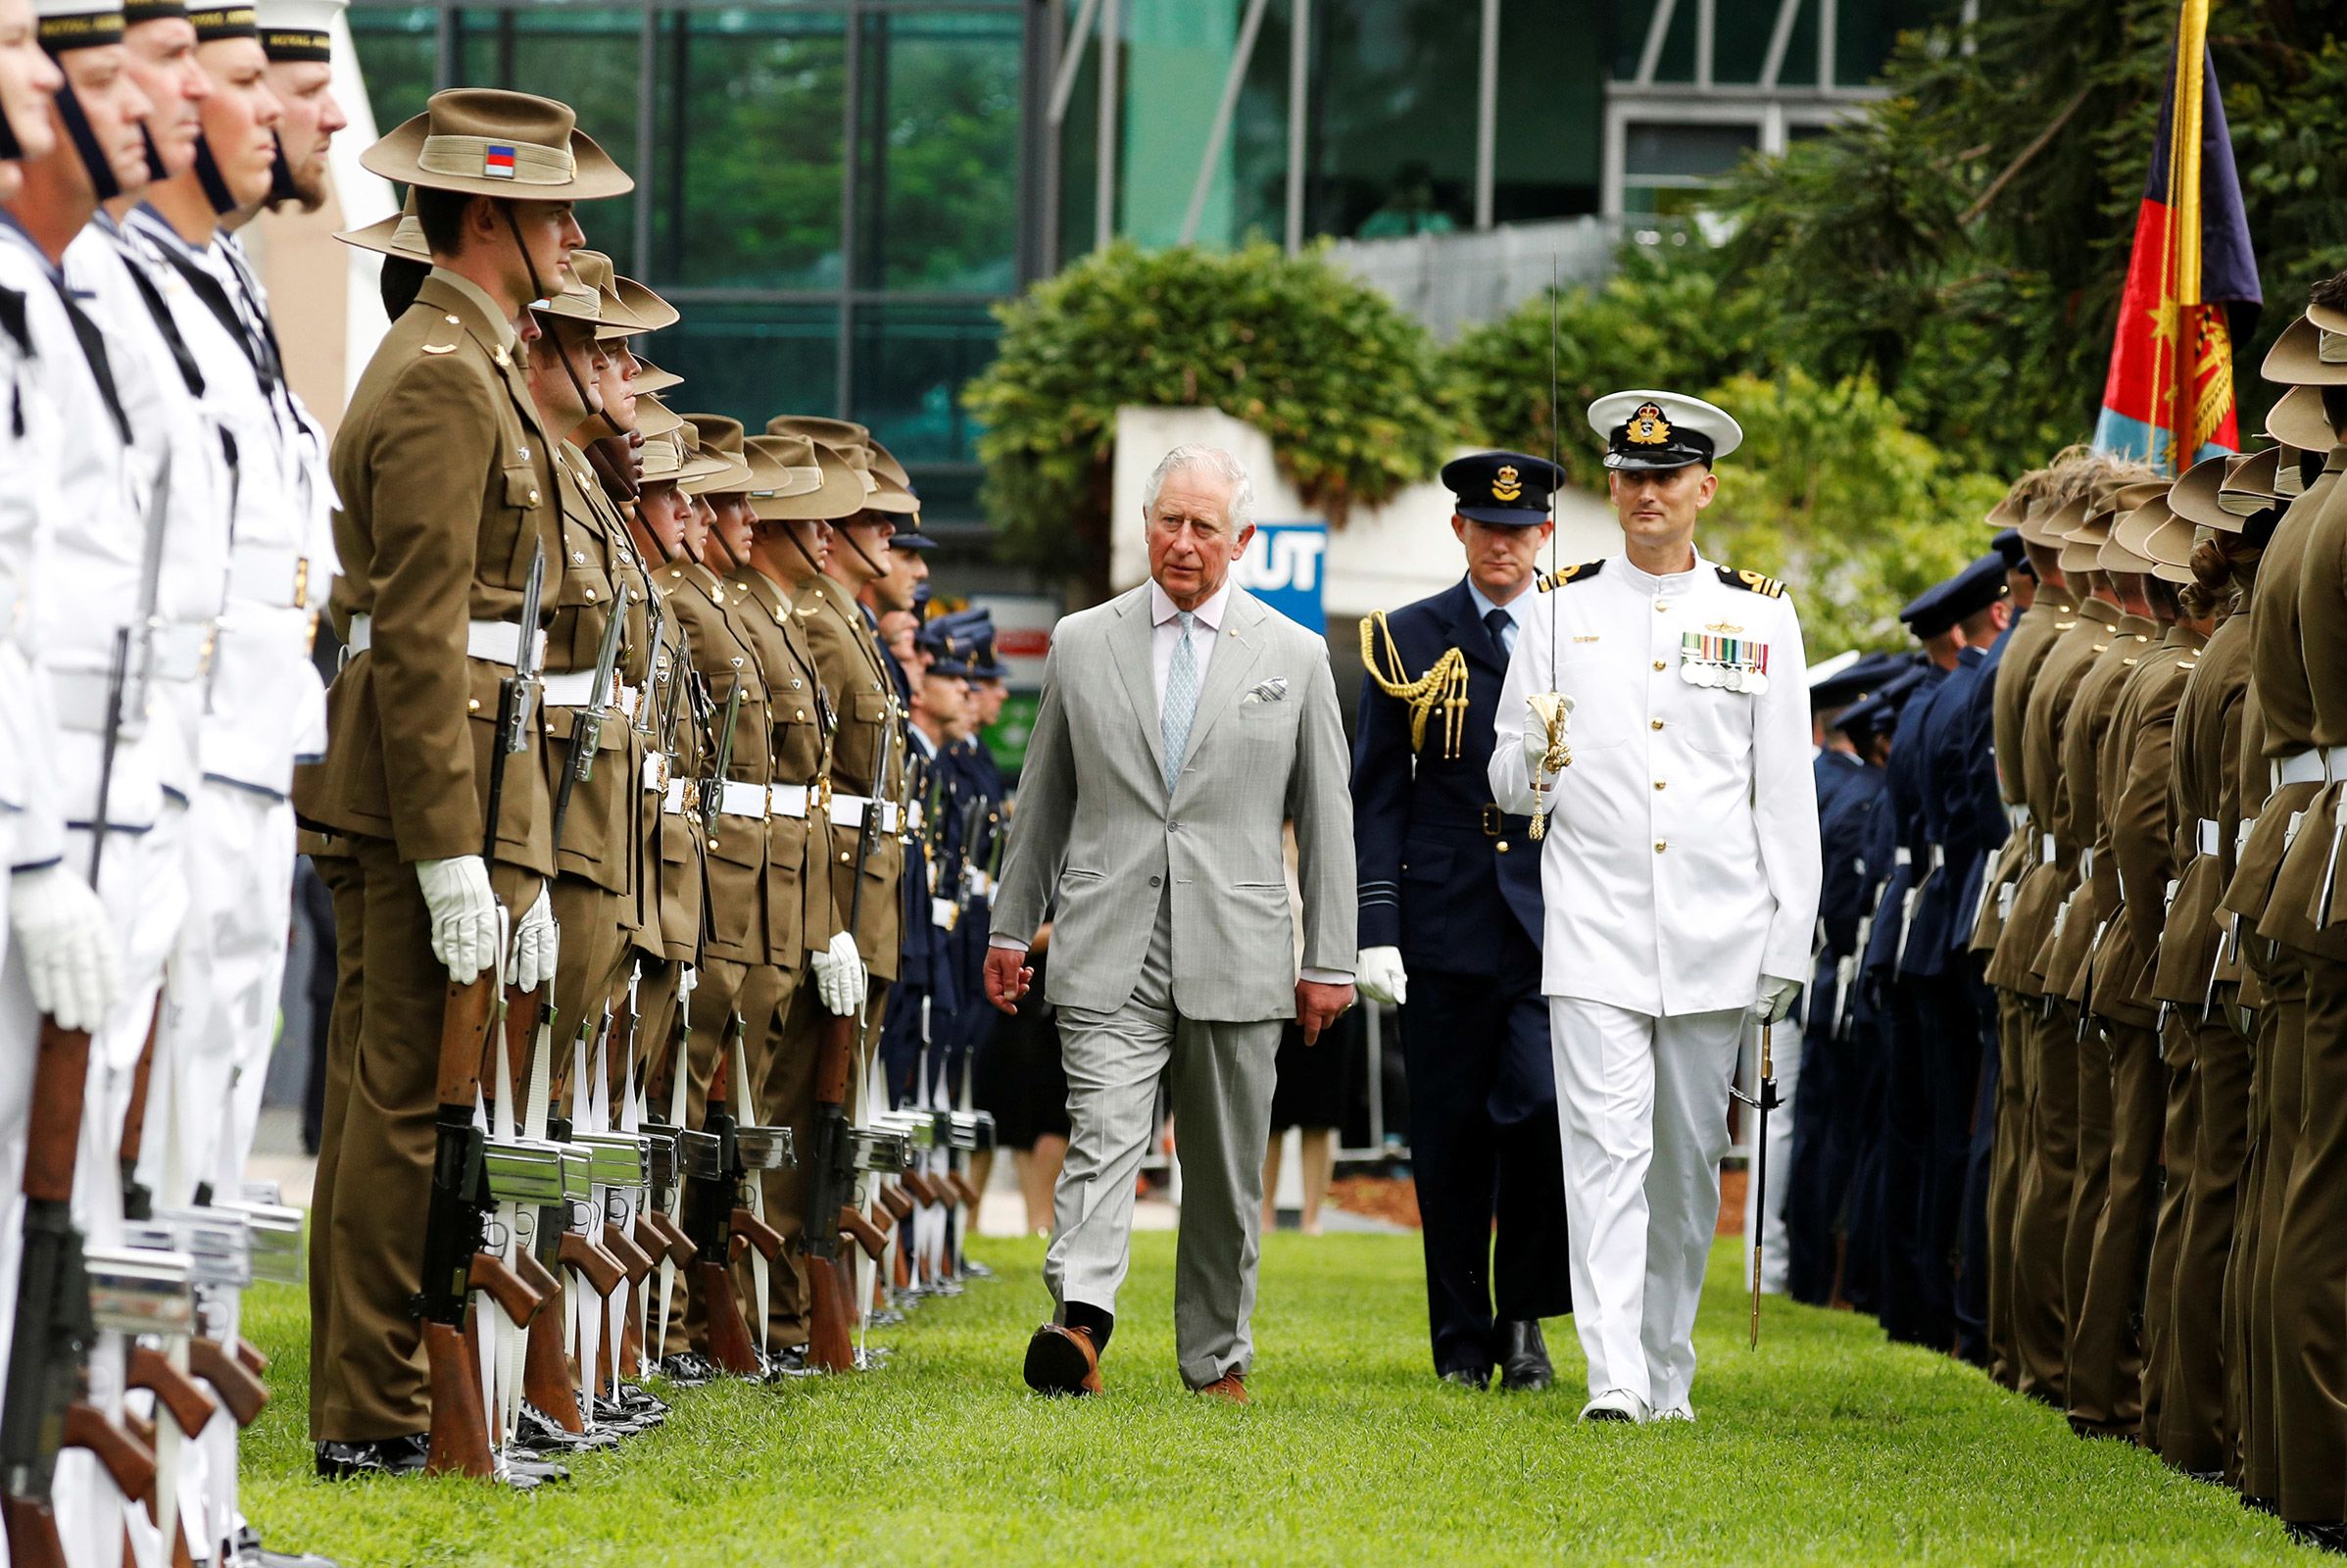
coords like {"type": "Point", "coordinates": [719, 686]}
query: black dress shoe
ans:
{"type": "Point", "coordinates": [374, 1456]}
{"type": "Point", "coordinates": [2328, 1534]}
{"type": "Point", "coordinates": [540, 1436]}
{"type": "Point", "coordinates": [1524, 1358]}
{"type": "Point", "coordinates": [524, 1474]}
{"type": "Point", "coordinates": [1465, 1378]}
{"type": "Point", "coordinates": [686, 1369]}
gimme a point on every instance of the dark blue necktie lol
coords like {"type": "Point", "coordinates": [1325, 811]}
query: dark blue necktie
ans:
{"type": "Point", "coordinates": [1498, 623]}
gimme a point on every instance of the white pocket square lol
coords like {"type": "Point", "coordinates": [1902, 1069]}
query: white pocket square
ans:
{"type": "Point", "coordinates": [1274, 690]}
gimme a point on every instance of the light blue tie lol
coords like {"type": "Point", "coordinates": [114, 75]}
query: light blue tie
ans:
{"type": "Point", "coordinates": [1180, 701]}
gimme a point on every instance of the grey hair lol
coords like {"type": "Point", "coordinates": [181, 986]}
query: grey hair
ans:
{"type": "Point", "coordinates": [1217, 462]}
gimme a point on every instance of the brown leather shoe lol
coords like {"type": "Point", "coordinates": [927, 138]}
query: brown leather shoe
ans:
{"type": "Point", "coordinates": [1062, 1361]}
{"type": "Point", "coordinates": [1230, 1386]}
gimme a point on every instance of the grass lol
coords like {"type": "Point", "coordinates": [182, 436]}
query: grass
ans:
{"type": "Point", "coordinates": [1828, 1445]}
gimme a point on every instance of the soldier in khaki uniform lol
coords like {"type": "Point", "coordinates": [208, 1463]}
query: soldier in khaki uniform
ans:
{"type": "Point", "coordinates": [2063, 956]}
{"type": "Point", "coordinates": [2048, 1050]}
{"type": "Point", "coordinates": [2306, 678]}
{"type": "Point", "coordinates": [447, 481]}
{"type": "Point", "coordinates": [855, 681]}
{"type": "Point", "coordinates": [2050, 613]}
{"type": "Point", "coordinates": [2131, 861]}
{"type": "Point", "coordinates": [2283, 770]}
{"type": "Point", "coordinates": [2199, 974]}
{"type": "Point", "coordinates": [795, 490]}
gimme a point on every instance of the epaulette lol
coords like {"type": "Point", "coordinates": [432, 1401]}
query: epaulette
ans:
{"type": "Point", "coordinates": [445, 336]}
{"type": "Point", "coordinates": [1753, 581]}
{"type": "Point", "coordinates": [1580, 573]}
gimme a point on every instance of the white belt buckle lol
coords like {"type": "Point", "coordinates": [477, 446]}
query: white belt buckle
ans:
{"type": "Point", "coordinates": [2208, 836]}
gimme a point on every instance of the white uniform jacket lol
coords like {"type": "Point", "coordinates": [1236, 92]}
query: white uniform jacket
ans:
{"type": "Point", "coordinates": [1681, 862]}
{"type": "Point", "coordinates": [89, 586]}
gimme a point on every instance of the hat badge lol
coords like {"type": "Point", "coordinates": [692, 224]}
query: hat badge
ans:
{"type": "Point", "coordinates": [1648, 426]}
{"type": "Point", "coordinates": [1506, 483]}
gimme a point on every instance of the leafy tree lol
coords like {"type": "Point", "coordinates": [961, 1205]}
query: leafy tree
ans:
{"type": "Point", "coordinates": [1340, 379]}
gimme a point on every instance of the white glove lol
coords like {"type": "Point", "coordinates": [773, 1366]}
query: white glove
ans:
{"type": "Point", "coordinates": [537, 945]}
{"type": "Point", "coordinates": [464, 911]}
{"type": "Point", "coordinates": [68, 943]}
{"type": "Point", "coordinates": [1379, 976]}
{"type": "Point", "coordinates": [840, 977]}
{"type": "Point", "coordinates": [1775, 1000]}
{"type": "Point", "coordinates": [1536, 737]}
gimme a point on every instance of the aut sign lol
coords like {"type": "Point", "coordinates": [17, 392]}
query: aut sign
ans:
{"type": "Point", "coordinates": [1282, 566]}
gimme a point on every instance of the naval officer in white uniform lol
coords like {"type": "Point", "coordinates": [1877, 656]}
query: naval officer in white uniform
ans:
{"type": "Point", "coordinates": [1679, 872]}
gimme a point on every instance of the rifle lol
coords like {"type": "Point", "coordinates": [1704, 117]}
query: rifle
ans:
{"type": "Point", "coordinates": [44, 1409]}
{"type": "Point", "coordinates": [712, 795]}
{"type": "Point", "coordinates": [456, 1257]}
{"type": "Point", "coordinates": [586, 725]}
{"type": "Point", "coordinates": [715, 1218]}
{"type": "Point", "coordinates": [831, 1197]}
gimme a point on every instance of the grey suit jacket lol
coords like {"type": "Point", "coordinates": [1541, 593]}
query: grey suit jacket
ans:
{"type": "Point", "coordinates": [1096, 832]}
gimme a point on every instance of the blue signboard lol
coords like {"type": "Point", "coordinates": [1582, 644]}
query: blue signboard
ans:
{"type": "Point", "coordinates": [1281, 567]}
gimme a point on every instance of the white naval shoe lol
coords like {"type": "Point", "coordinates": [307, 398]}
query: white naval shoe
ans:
{"type": "Point", "coordinates": [1677, 1412]}
{"type": "Point", "coordinates": [1617, 1404]}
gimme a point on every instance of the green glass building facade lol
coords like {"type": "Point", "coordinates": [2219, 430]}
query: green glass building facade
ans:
{"type": "Point", "coordinates": [836, 192]}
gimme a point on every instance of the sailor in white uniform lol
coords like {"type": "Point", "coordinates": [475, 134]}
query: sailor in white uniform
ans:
{"type": "Point", "coordinates": [1679, 872]}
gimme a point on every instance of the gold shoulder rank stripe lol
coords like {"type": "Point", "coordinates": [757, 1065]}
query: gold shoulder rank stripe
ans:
{"type": "Point", "coordinates": [1752, 581]}
{"type": "Point", "coordinates": [1443, 686]}
{"type": "Point", "coordinates": [1580, 573]}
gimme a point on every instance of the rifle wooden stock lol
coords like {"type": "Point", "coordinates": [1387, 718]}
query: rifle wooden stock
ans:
{"type": "Point", "coordinates": [463, 1036]}
{"type": "Point", "coordinates": [129, 1462]}
{"type": "Point", "coordinates": [632, 1259]}
{"type": "Point", "coordinates": [134, 1121]}
{"type": "Point", "coordinates": [538, 1277]}
{"type": "Point", "coordinates": [250, 1354]}
{"type": "Point", "coordinates": [545, 1373]}
{"type": "Point", "coordinates": [54, 1129]}
{"type": "Point", "coordinates": [175, 1391]}
{"type": "Point", "coordinates": [898, 1202]}
{"type": "Point", "coordinates": [864, 1234]}
{"type": "Point", "coordinates": [598, 1268]}
{"type": "Point", "coordinates": [492, 1275]}
{"type": "Point", "coordinates": [33, 1538]}
{"type": "Point", "coordinates": [830, 1341]}
{"type": "Point", "coordinates": [923, 1189]}
{"type": "Point", "coordinates": [231, 1379]}
{"type": "Point", "coordinates": [460, 1440]}
{"type": "Point", "coordinates": [660, 1236]}
{"type": "Point", "coordinates": [757, 1233]}
{"type": "Point", "coordinates": [721, 1312]}
{"type": "Point", "coordinates": [962, 1189]}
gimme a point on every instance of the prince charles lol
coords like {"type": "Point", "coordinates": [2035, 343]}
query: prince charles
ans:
{"type": "Point", "coordinates": [1182, 724]}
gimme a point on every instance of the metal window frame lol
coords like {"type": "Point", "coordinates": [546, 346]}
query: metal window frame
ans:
{"type": "Point", "coordinates": [1772, 112]}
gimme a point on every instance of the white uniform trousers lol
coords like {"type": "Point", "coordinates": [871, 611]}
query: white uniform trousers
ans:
{"type": "Point", "coordinates": [143, 882]}
{"type": "Point", "coordinates": [1786, 1051]}
{"type": "Point", "coordinates": [1642, 1105]}
{"type": "Point", "coordinates": [221, 1007]}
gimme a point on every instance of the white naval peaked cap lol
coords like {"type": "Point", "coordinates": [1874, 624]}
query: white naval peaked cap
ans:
{"type": "Point", "coordinates": [298, 29]}
{"type": "Point", "coordinates": [63, 25]}
{"type": "Point", "coordinates": [1827, 669]}
{"type": "Point", "coordinates": [1644, 429]}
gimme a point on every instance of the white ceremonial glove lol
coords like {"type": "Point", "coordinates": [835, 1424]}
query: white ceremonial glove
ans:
{"type": "Point", "coordinates": [840, 977]}
{"type": "Point", "coordinates": [1378, 974]}
{"type": "Point", "coordinates": [1775, 1000]}
{"type": "Point", "coordinates": [464, 911]}
{"type": "Point", "coordinates": [537, 945]}
{"type": "Point", "coordinates": [68, 943]}
{"type": "Point", "coordinates": [1536, 737]}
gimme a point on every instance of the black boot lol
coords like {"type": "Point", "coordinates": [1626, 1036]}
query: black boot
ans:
{"type": "Point", "coordinates": [374, 1457]}
{"type": "Point", "coordinates": [1523, 1357]}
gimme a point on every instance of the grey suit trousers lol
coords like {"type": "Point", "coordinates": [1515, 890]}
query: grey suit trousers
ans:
{"type": "Point", "coordinates": [1221, 1076]}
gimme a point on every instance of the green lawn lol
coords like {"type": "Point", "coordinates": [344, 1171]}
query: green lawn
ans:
{"type": "Point", "coordinates": [1826, 1446]}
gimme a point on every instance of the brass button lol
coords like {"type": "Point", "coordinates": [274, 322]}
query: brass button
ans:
{"type": "Point", "coordinates": [1661, 845]}
{"type": "Point", "coordinates": [1658, 664]}
{"type": "Point", "coordinates": [1502, 846]}
{"type": "Point", "coordinates": [1658, 784]}
{"type": "Point", "coordinates": [1657, 723]}
{"type": "Point", "coordinates": [590, 596]}
{"type": "Point", "coordinates": [712, 844]}
{"type": "Point", "coordinates": [452, 321]}
{"type": "Point", "coordinates": [844, 856]}
{"type": "Point", "coordinates": [472, 705]}
{"type": "Point", "coordinates": [799, 713]}
{"type": "Point", "coordinates": [578, 557]}
{"type": "Point", "coordinates": [1661, 604]}
{"type": "Point", "coordinates": [533, 497]}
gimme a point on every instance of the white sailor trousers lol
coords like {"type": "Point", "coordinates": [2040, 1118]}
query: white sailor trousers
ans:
{"type": "Point", "coordinates": [1642, 1105]}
